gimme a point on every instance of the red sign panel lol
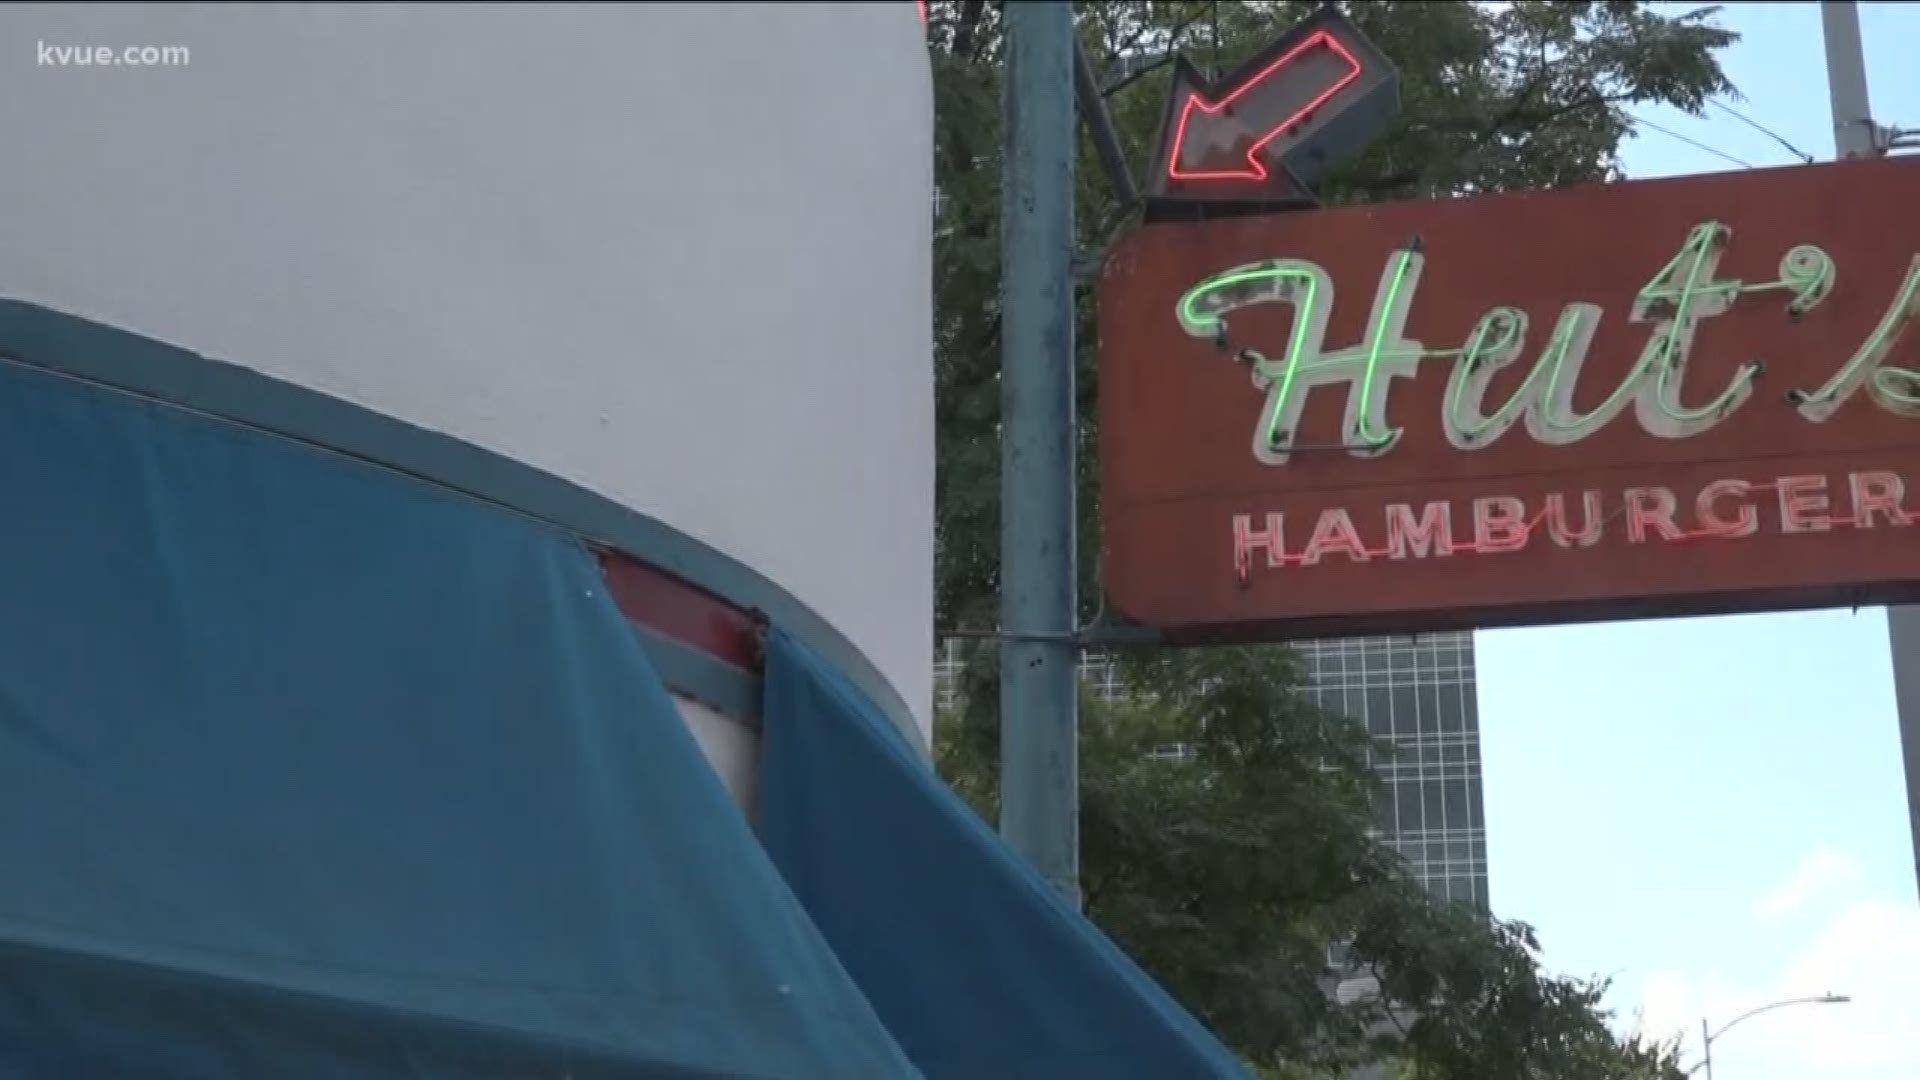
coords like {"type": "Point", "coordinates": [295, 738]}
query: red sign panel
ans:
{"type": "Point", "coordinates": [1659, 397]}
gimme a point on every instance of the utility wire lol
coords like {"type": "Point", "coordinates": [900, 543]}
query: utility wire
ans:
{"type": "Point", "coordinates": [1761, 128]}
{"type": "Point", "coordinates": [1695, 143]}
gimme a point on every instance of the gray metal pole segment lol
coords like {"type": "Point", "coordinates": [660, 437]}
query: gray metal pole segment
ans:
{"type": "Point", "coordinates": [1039, 659]}
{"type": "Point", "coordinates": [1847, 80]}
{"type": "Point", "coordinates": [1903, 638]}
{"type": "Point", "coordinates": [1853, 136]}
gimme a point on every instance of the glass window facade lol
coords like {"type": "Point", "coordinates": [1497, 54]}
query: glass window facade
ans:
{"type": "Point", "coordinates": [1417, 695]}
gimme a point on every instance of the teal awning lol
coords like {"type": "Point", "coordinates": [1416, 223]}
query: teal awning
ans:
{"type": "Point", "coordinates": [976, 966]}
{"type": "Point", "coordinates": [312, 768]}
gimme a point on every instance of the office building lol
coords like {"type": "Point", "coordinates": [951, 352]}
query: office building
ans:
{"type": "Point", "coordinates": [1417, 695]}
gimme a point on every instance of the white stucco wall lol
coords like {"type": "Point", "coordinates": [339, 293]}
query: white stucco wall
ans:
{"type": "Point", "coordinates": [677, 253]}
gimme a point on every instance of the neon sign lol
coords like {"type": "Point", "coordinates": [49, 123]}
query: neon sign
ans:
{"type": "Point", "coordinates": [1254, 168]}
{"type": "Point", "coordinates": [1725, 508]}
{"type": "Point", "coordinates": [1672, 304]}
{"type": "Point", "coordinates": [1694, 395]}
{"type": "Point", "coordinates": [1269, 129]}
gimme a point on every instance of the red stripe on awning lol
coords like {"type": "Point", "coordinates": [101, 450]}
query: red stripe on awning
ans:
{"type": "Point", "coordinates": [667, 605]}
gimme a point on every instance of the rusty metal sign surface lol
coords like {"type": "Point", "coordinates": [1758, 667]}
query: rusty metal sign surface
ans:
{"type": "Point", "coordinates": [1648, 398]}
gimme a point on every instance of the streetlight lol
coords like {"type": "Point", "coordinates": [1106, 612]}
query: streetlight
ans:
{"type": "Point", "coordinates": [1706, 1037]}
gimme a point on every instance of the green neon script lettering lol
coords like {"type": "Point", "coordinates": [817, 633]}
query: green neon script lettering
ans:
{"type": "Point", "coordinates": [1893, 388]}
{"type": "Point", "coordinates": [1493, 344]}
{"type": "Point", "coordinates": [1677, 298]}
{"type": "Point", "coordinates": [1807, 272]}
{"type": "Point", "coordinates": [1553, 420]}
{"type": "Point", "coordinates": [1674, 301]}
{"type": "Point", "coordinates": [1388, 314]}
{"type": "Point", "coordinates": [1202, 313]}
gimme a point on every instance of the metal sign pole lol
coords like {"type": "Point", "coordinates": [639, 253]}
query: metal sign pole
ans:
{"type": "Point", "coordinates": [1903, 638]}
{"type": "Point", "coordinates": [1853, 137]}
{"type": "Point", "coordinates": [1039, 662]}
{"type": "Point", "coordinates": [1847, 80]}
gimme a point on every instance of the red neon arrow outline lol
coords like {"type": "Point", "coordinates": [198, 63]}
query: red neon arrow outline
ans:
{"type": "Point", "coordinates": [1256, 170]}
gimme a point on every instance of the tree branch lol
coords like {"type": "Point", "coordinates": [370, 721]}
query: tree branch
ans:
{"type": "Point", "coordinates": [970, 12]}
{"type": "Point", "coordinates": [1140, 27]}
{"type": "Point", "coordinates": [1588, 102]}
{"type": "Point", "coordinates": [1514, 117]}
{"type": "Point", "coordinates": [1137, 74]}
{"type": "Point", "coordinates": [1386, 1003]}
{"type": "Point", "coordinates": [1151, 66]}
{"type": "Point", "coordinates": [1525, 95]}
{"type": "Point", "coordinates": [1388, 184]}
{"type": "Point", "coordinates": [1099, 125]}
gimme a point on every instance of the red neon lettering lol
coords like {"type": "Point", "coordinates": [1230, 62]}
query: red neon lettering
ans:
{"type": "Point", "coordinates": [1724, 509]}
{"type": "Point", "coordinates": [1500, 524]}
{"type": "Point", "coordinates": [1746, 524]}
{"type": "Point", "coordinates": [1878, 492]}
{"type": "Point", "coordinates": [1247, 540]}
{"type": "Point", "coordinates": [1334, 534]}
{"type": "Point", "coordinates": [1803, 504]}
{"type": "Point", "coordinates": [1432, 533]}
{"type": "Point", "coordinates": [1651, 506]}
{"type": "Point", "coordinates": [1590, 525]}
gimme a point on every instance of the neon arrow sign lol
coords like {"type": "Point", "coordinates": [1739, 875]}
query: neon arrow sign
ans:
{"type": "Point", "coordinates": [1203, 129]}
{"type": "Point", "coordinates": [1267, 131]}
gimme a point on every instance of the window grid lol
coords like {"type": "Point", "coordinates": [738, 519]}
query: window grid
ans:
{"type": "Point", "coordinates": [1417, 695]}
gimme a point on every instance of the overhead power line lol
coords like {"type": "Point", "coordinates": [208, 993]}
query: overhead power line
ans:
{"type": "Point", "coordinates": [1762, 128]}
{"type": "Point", "coordinates": [1690, 141]}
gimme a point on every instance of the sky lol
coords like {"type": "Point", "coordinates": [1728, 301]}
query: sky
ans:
{"type": "Point", "coordinates": [1712, 811]}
